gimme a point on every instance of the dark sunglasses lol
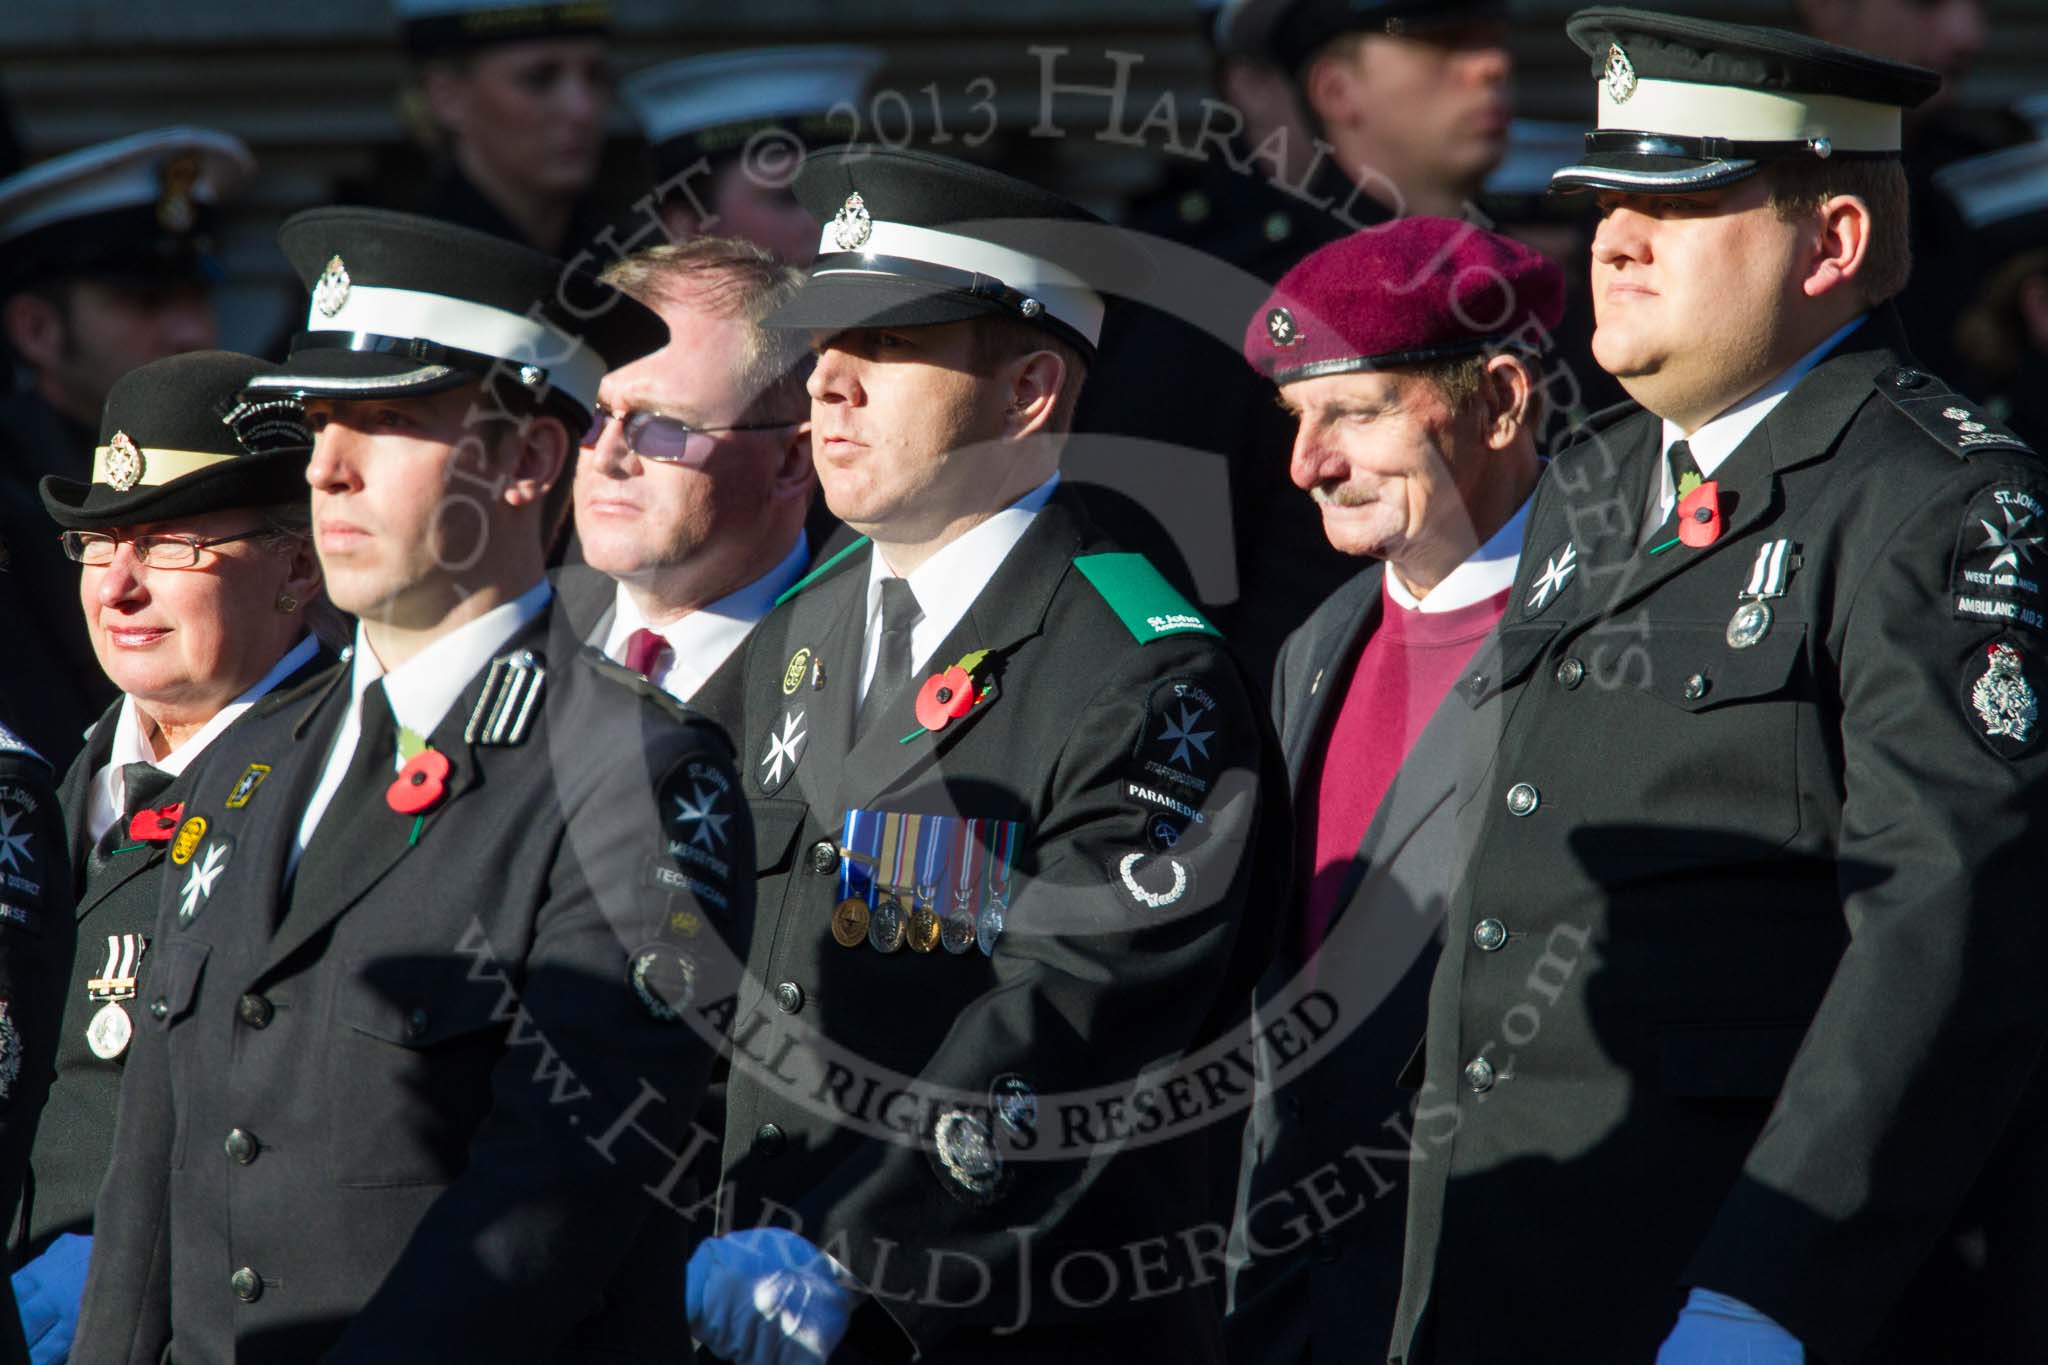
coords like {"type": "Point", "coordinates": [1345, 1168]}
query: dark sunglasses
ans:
{"type": "Point", "coordinates": [652, 436]}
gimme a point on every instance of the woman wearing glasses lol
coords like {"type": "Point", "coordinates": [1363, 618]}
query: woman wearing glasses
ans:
{"type": "Point", "coordinates": [200, 591]}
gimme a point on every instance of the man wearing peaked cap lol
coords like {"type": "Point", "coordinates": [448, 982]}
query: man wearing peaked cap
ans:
{"type": "Point", "coordinates": [1728, 1025]}
{"type": "Point", "coordinates": [513, 99]}
{"type": "Point", "coordinates": [430, 956]}
{"type": "Point", "coordinates": [729, 131]}
{"type": "Point", "coordinates": [1015, 801]}
{"type": "Point", "coordinates": [105, 264]}
{"type": "Point", "coordinates": [1409, 356]}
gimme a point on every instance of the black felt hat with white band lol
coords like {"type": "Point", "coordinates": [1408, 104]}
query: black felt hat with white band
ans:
{"type": "Point", "coordinates": [178, 438]}
{"type": "Point", "coordinates": [913, 239]}
{"type": "Point", "coordinates": [1693, 104]}
{"type": "Point", "coordinates": [406, 306]}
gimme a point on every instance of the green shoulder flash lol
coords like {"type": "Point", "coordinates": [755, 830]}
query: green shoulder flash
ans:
{"type": "Point", "coordinates": [859, 543]}
{"type": "Point", "coordinates": [1141, 597]}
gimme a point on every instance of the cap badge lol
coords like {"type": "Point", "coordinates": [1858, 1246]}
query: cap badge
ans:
{"type": "Point", "coordinates": [124, 463]}
{"type": "Point", "coordinates": [1281, 329]}
{"type": "Point", "coordinates": [851, 226]}
{"type": "Point", "coordinates": [330, 291]}
{"type": "Point", "coordinates": [1620, 75]}
{"type": "Point", "coordinates": [174, 208]}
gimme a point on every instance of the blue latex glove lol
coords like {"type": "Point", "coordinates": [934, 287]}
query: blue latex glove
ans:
{"type": "Point", "coordinates": [47, 1291]}
{"type": "Point", "coordinates": [766, 1297]}
{"type": "Point", "coordinates": [1714, 1329]}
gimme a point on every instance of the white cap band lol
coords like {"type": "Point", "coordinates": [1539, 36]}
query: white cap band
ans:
{"type": "Point", "coordinates": [572, 366]}
{"type": "Point", "coordinates": [1687, 109]}
{"type": "Point", "coordinates": [1065, 296]}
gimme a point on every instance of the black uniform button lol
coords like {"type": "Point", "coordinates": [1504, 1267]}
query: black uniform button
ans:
{"type": "Point", "coordinates": [255, 1011]}
{"type": "Point", "coordinates": [824, 858]}
{"type": "Point", "coordinates": [1479, 1076]}
{"type": "Point", "coordinates": [1909, 379]}
{"type": "Point", "coordinates": [1489, 935]}
{"type": "Point", "coordinates": [769, 1141]}
{"type": "Point", "coordinates": [242, 1146]}
{"type": "Point", "coordinates": [159, 1009]}
{"type": "Point", "coordinates": [416, 1023]}
{"type": "Point", "coordinates": [1522, 799]}
{"type": "Point", "coordinates": [789, 997]}
{"type": "Point", "coordinates": [247, 1284]}
{"type": "Point", "coordinates": [1570, 673]}
{"type": "Point", "coordinates": [1696, 687]}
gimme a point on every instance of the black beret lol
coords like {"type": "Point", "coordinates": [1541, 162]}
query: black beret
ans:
{"type": "Point", "coordinates": [177, 439]}
{"type": "Point", "coordinates": [405, 305]}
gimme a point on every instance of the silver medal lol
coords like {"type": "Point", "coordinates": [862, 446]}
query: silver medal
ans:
{"type": "Point", "coordinates": [885, 926]}
{"type": "Point", "coordinates": [989, 929]}
{"type": "Point", "coordinates": [1750, 623]}
{"type": "Point", "coordinates": [109, 1032]}
{"type": "Point", "coordinates": [956, 934]}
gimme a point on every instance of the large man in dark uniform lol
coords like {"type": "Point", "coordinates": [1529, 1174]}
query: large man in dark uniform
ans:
{"type": "Point", "coordinates": [104, 266]}
{"type": "Point", "coordinates": [1729, 1019]}
{"type": "Point", "coordinates": [419, 1028]}
{"type": "Point", "coordinates": [1014, 803]}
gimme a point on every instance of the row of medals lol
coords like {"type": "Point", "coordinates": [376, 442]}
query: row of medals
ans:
{"type": "Point", "coordinates": [889, 927]}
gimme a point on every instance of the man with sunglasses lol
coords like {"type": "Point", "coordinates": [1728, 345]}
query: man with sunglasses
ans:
{"type": "Point", "coordinates": [418, 1038]}
{"type": "Point", "coordinates": [695, 475]}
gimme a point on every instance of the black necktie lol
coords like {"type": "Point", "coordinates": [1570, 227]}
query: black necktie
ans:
{"type": "Point", "coordinates": [141, 785]}
{"type": "Point", "coordinates": [1686, 474]}
{"type": "Point", "coordinates": [900, 615]}
{"type": "Point", "coordinates": [359, 801]}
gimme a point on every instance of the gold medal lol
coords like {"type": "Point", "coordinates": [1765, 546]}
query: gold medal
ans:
{"type": "Point", "coordinates": [924, 930]}
{"type": "Point", "coordinates": [850, 922]}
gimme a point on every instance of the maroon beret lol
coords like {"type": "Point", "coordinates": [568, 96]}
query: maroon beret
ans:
{"type": "Point", "coordinates": [1414, 291]}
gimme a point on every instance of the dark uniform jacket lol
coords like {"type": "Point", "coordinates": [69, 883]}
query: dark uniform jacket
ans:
{"type": "Point", "coordinates": [589, 598]}
{"type": "Point", "coordinates": [410, 1107]}
{"type": "Point", "coordinates": [117, 889]}
{"type": "Point", "coordinates": [1323, 1191]}
{"type": "Point", "coordinates": [1152, 815]}
{"type": "Point", "coordinates": [35, 954]}
{"type": "Point", "coordinates": [1734, 993]}
{"type": "Point", "coordinates": [55, 686]}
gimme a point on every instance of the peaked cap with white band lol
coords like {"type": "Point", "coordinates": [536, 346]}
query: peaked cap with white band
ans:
{"type": "Point", "coordinates": [139, 207]}
{"type": "Point", "coordinates": [2003, 198]}
{"type": "Point", "coordinates": [1693, 104]}
{"type": "Point", "coordinates": [722, 103]}
{"type": "Point", "coordinates": [405, 306]}
{"type": "Point", "coordinates": [178, 439]}
{"type": "Point", "coordinates": [913, 239]}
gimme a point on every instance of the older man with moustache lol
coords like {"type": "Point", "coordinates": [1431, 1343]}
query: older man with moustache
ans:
{"type": "Point", "coordinates": [695, 475]}
{"type": "Point", "coordinates": [1417, 439]}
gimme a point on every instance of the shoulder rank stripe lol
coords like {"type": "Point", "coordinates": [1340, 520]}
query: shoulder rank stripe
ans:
{"type": "Point", "coordinates": [860, 543]}
{"type": "Point", "coordinates": [506, 704]}
{"type": "Point", "coordinates": [1142, 599]}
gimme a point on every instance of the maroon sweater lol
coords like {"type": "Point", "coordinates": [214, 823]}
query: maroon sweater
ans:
{"type": "Point", "coordinates": [1402, 675]}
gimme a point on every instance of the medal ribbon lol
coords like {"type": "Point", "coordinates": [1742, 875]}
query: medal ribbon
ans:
{"type": "Point", "coordinates": [861, 839]}
{"type": "Point", "coordinates": [964, 867]}
{"type": "Point", "coordinates": [935, 841]}
{"type": "Point", "coordinates": [899, 832]}
{"type": "Point", "coordinates": [1002, 846]}
{"type": "Point", "coordinates": [1767, 578]}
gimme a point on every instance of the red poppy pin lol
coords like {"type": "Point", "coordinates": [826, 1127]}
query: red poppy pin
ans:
{"type": "Point", "coordinates": [1699, 516]}
{"type": "Point", "coordinates": [421, 783]}
{"type": "Point", "coordinates": [947, 696]}
{"type": "Point", "coordinates": [156, 826]}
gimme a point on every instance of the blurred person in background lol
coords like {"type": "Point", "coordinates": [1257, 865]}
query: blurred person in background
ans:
{"type": "Point", "coordinates": [729, 131]}
{"type": "Point", "coordinates": [2002, 331]}
{"type": "Point", "coordinates": [201, 593]}
{"type": "Point", "coordinates": [105, 264]}
{"type": "Point", "coordinates": [512, 98]}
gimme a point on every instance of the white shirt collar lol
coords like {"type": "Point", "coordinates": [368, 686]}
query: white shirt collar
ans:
{"type": "Point", "coordinates": [423, 687]}
{"type": "Point", "coordinates": [947, 584]}
{"type": "Point", "coordinates": [1713, 443]}
{"type": "Point", "coordinates": [1488, 571]}
{"type": "Point", "coordinates": [704, 639]}
{"type": "Point", "coordinates": [107, 799]}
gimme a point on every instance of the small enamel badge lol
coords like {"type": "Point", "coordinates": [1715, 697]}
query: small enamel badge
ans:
{"type": "Point", "coordinates": [200, 877]}
{"type": "Point", "coordinates": [1281, 329]}
{"type": "Point", "coordinates": [124, 463]}
{"type": "Point", "coordinates": [187, 842]}
{"type": "Point", "coordinates": [852, 225]}
{"type": "Point", "coordinates": [793, 674]}
{"type": "Point", "coordinates": [330, 291]}
{"type": "Point", "coordinates": [1620, 75]}
{"type": "Point", "coordinates": [246, 785]}
{"type": "Point", "coordinates": [1557, 571]}
{"type": "Point", "coordinates": [784, 751]}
